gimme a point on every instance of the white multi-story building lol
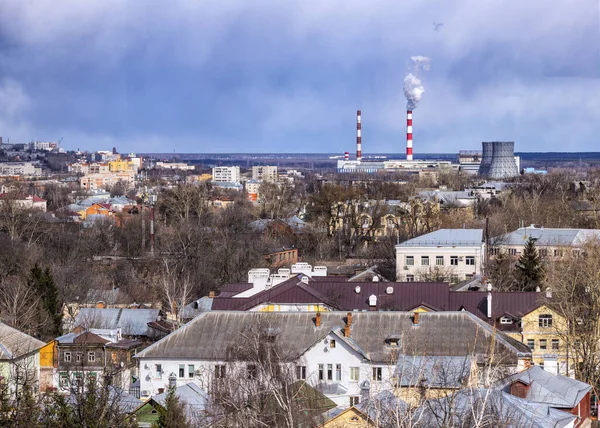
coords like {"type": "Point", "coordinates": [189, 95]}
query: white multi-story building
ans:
{"type": "Point", "coordinates": [265, 173]}
{"type": "Point", "coordinates": [19, 169]}
{"type": "Point", "coordinates": [43, 145]}
{"type": "Point", "coordinates": [347, 356]}
{"type": "Point", "coordinates": [175, 165]}
{"type": "Point", "coordinates": [226, 174]}
{"type": "Point", "coordinates": [444, 255]}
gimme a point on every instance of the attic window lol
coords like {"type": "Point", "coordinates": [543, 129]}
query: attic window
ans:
{"type": "Point", "coordinates": [332, 343]}
{"type": "Point", "coordinates": [506, 320]}
{"type": "Point", "coordinates": [393, 341]}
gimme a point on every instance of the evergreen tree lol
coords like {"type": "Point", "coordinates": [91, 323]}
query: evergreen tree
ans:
{"type": "Point", "coordinates": [50, 305]}
{"type": "Point", "coordinates": [529, 268]}
{"type": "Point", "coordinates": [173, 414]}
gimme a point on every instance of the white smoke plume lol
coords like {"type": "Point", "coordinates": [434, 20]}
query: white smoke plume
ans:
{"type": "Point", "coordinates": [413, 86]}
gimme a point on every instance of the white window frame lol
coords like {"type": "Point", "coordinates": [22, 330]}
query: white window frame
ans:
{"type": "Point", "coordinates": [354, 374]}
{"type": "Point", "coordinates": [91, 357]}
{"type": "Point", "coordinates": [470, 260]}
{"type": "Point", "coordinates": [453, 260]}
{"type": "Point", "coordinates": [409, 261]}
{"type": "Point", "coordinates": [424, 260]}
{"type": "Point", "coordinates": [67, 357]}
{"type": "Point", "coordinates": [439, 260]}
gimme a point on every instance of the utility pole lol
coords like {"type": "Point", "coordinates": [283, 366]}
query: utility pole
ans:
{"type": "Point", "coordinates": [152, 200]}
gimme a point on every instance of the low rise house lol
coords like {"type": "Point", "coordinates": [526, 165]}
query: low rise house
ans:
{"type": "Point", "coordinates": [31, 202]}
{"type": "Point", "coordinates": [132, 323]}
{"type": "Point", "coordinates": [550, 242]}
{"type": "Point", "coordinates": [444, 255]}
{"type": "Point", "coordinates": [346, 356]}
{"type": "Point", "coordinates": [19, 359]}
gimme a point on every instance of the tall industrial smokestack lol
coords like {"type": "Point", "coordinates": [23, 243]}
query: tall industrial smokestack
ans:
{"type": "Point", "coordinates": [346, 156]}
{"type": "Point", "coordinates": [358, 139]}
{"type": "Point", "coordinates": [409, 154]}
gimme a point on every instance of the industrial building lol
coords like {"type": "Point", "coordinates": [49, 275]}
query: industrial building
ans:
{"type": "Point", "coordinates": [408, 165]}
{"type": "Point", "coordinates": [498, 160]}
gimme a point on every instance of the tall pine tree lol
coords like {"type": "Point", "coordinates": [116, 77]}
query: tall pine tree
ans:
{"type": "Point", "coordinates": [529, 270]}
{"type": "Point", "coordinates": [50, 305]}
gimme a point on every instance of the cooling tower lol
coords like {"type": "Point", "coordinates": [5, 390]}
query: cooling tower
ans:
{"type": "Point", "coordinates": [503, 160]}
{"type": "Point", "coordinates": [486, 158]}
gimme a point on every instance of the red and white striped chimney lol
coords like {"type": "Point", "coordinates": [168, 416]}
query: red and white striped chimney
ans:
{"type": "Point", "coordinates": [409, 154]}
{"type": "Point", "coordinates": [347, 156]}
{"type": "Point", "coordinates": [358, 139]}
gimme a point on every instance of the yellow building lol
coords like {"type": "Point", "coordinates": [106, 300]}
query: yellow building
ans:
{"type": "Point", "coordinates": [351, 417]}
{"type": "Point", "coordinates": [122, 165]}
{"type": "Point", "coordinates": [48, 364]}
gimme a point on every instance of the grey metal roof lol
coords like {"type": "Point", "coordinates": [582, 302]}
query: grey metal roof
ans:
{"type": "Point", "coordinates": [446, 237]}
{"type": "Point", "coordinates": [437, 334]}
{"type": "Point", "coordinates": [433, 371]}
{"type": "Point", "coordinates": [15, 343]}
{"type": "Point", "coordinates": [190, 393]}
{"type": "Point", "coordinates": [548, 236]}
{"type": "Point", "coordinates": [133, 322]}
{"type": "Point", "coordinates": [198, 306]}
{"type": "Point", "coordinates": [550, 389]}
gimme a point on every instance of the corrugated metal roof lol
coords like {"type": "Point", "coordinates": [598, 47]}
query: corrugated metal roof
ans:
{"type": "Point", "coordinates": [437, 333]}
{"type": "Point", "coordinates": [446, 237]}
{"type": "Point", "coordinates": [15, 343]}
{"type": "Point", "coordinates": [133, 322]}
{"type": "Point", "coordinates": [434, 372]}
{"type": "Point", "coordinates": [550, 389]}
{"type": "Point", "coordinates": [548, 236]}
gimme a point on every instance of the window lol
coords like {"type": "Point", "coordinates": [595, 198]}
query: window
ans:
{"type": "Point", "coordinates": [506, 320]}
{"type": "Point", "coordinates": [531, 344]}
{"type": "Point", "coordinates": [543, 344]}
{"type": "Point", "coordinates": [181, 370]}
{"type": "Point", "coordinates": [252, 371]}
{"type": "Point", "coordinates": [354, 400]}
{"type": "Point", "coordinates": [301, 372]}
{"type": "Point", "coordinates": [332, 343]}
{"type": "Point", "coordinates": [158, 368]}
{"type": "Point", "coordinates": [191, 370]}
{"type": "Point", "coordinates": [495, 251]}
{"type": "Point", "coordinates": [439, 260]}
{"type": "Point", "coordinates": [410, 278]}
{"type": "Point", "coordinates": [329, 371]}
{"type": "Point", "coordinates": [453, 260]}
{"type": "Point", "coordinates": [424, 260]}
{"type": "Point", "coordinates": [338, 372]}
{"type": "Point", "coordinates": [354, 376]}
{"type": "Point", "coordinates": [78, 357]}
{"type": "Point", "coordinates": [469, 276]}
{"type": "Point", "coordinates": [543, 252]}
{"type": "Point", "coordinates": [321, 372]}
{"type": "Point", "coordinates": [558, 253]}
{"type": "Point", "coordinates": [453, 278]}
{"type": "Point", "coordinates": [410, 261]}
{"type": "Point", "coordinates": [512, 251]}
{"type": "Point", "coordinates": [555, 344]}
{"type": "Point", "coordinates": [67, 357]}
{"type": "Point", "coordinates": [377, 374]}
{"type": "Point", "coordinates": [470, 261]}
{"type": "Point", "coordinates": [220, 371]}
{"type": "Point", "coordinates": [64, 380]}
{"type": "Point", "coordinates": [545, 320]}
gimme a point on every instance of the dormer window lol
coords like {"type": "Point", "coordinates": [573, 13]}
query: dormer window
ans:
{"type": "Point", "coordinates": [506, 320]}
{"type": "Point", "coordinates": [332, 343]}
{"type": "Point", "coordinates": [393, 341]}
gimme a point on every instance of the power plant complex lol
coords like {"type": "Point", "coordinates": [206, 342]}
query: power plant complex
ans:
{"type": "Point", "coordinates": [496, 160]}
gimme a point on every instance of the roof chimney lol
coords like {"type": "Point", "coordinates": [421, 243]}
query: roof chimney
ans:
{"type": "Point", "coordinates": [416, 318]}
{"type": "Point", "coordinates": [347, 330]}
{"type": "Point", "coordinates": [349, 318]}
{"type": "Point", "coordinates": [489, 302]}
{"type": "Point", "coordinates": [548, 293]}
{"type": "Point", "coordinates": [318, 319]}
{"type": "Point", "coordinates": [211, 294]}
{"type": "Point", "coordinates": [100, 304]}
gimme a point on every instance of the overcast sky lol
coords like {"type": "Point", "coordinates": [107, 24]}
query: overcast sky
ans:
{"type": "Point", "coordinates": [288, 76]}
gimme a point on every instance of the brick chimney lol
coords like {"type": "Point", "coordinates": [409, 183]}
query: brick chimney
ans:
{"type": "Point", "coordinates": [349, 318]}
{"type": "Point", "coordinates": [416, 318]}
{"type": "Point", "coordinates": [318, 319]}
{"type": "Point", "coordinates": [100, 304]}
{"type": "Point", "coordinates": [211, 294]}
{"type": "Point", "coordinates": [347, 330]}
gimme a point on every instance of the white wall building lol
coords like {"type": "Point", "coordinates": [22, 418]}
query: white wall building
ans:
{"type": "Point", "coordinates": [446, 254]}
{"type": "Point", "coordinates": [19, 168]}
{"type": "Point", "coordinates": [226, 174]}
{"type": "Point", "coordinates": [265, 173]}
{"type": "Point", "coordinates": [346, 356]}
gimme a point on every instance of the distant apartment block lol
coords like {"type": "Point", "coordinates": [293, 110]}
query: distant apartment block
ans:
{"type": "Point", "coordinates": [265, 173]}
{"type": "Point", "coordinates": [43, 145]}
{"type": "Point", "coordinates": [95, 181]}
{"type": "Point", "coordinates": [226, 174]}
{"type": "Point", "coordinates": [19, 169]}
{"type": "Point", "coordinates": [451, 255]}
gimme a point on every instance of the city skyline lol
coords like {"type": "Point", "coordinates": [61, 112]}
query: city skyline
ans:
{"type": "Point", "coordinates": [280, 77]}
